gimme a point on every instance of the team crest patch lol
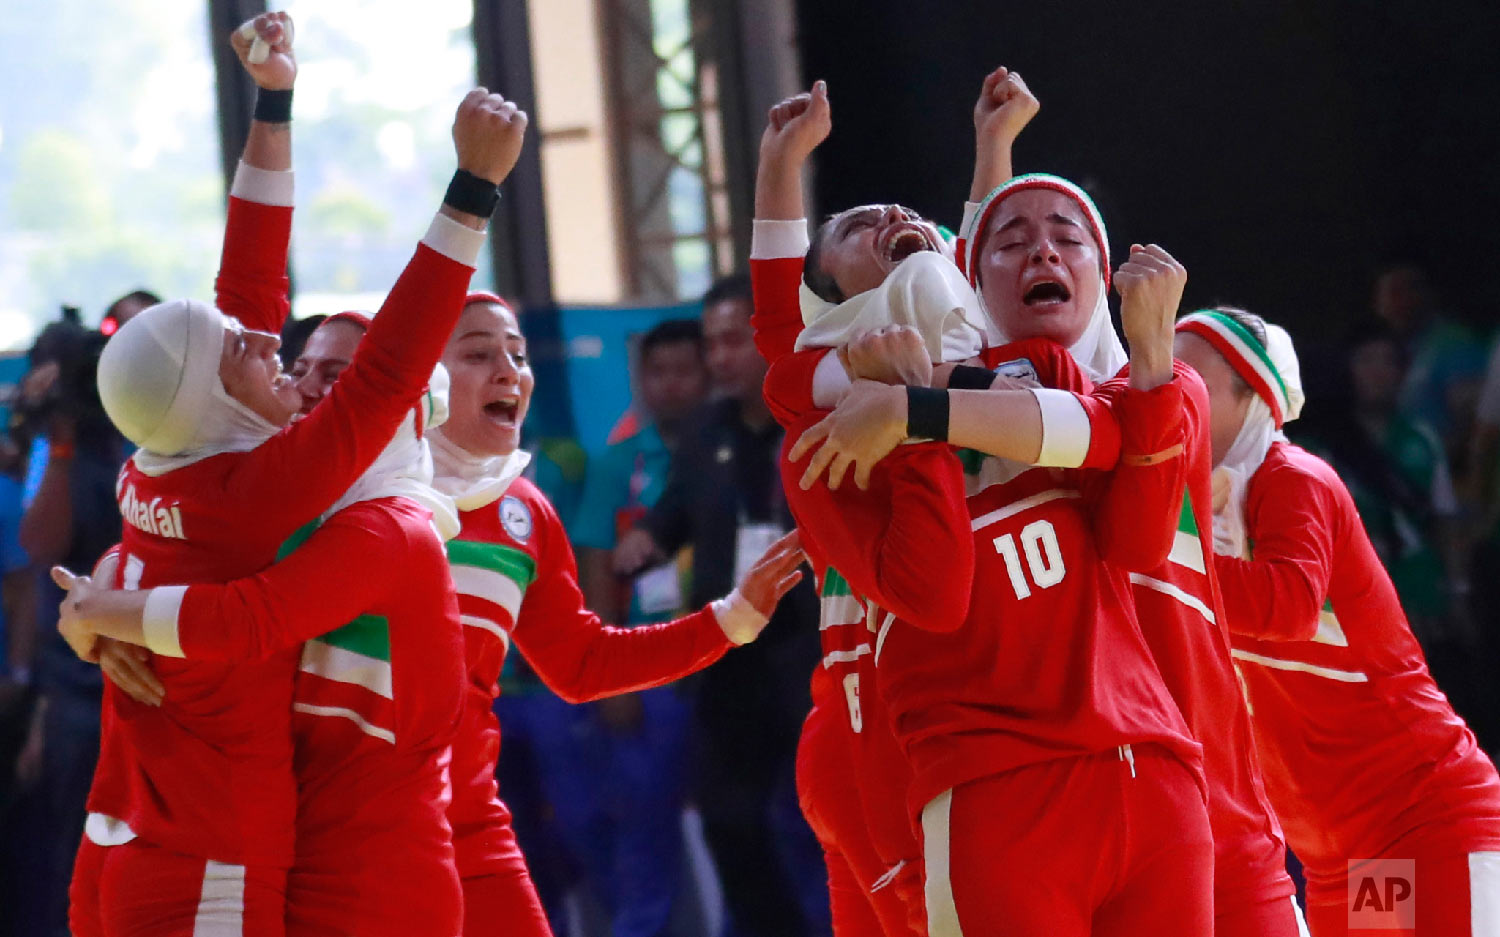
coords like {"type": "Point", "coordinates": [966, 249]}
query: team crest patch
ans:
{"type": "Point", "coordinates": [515, 516]}
{"type": "Point", "coordinates": [1020, 369]}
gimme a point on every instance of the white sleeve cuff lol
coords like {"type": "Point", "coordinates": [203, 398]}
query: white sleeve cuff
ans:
{"type": "Point", "coordinates": [454, 240]}
{"type": "Point", "coordinates": [740, 621]}
{"type": "Point", "coordinates": [1065, 429]}
{"type": "Point", "coordinates": [830, 382]}
{"type": "Point", "coordinates": [266, 186]}
{"type": "Point", "coordinates": [771, 239]}
{"type": "Point", "coordinates": [159, 620]}
{"type": "Point", "coordinates": [970, 210]}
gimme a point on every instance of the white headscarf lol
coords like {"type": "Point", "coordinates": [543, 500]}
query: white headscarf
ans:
{"type": "Point", "coordinates": [1098, 350]}
{"type": "Point", "coordinates": [404, 468]}
{"type": "Point", "coordinates": [473, 481]}
{"type": "Point", "coordinates": [1272, 372]}
{"type": "Point", "coordinates": [925, 291]}
{"type": "Point", "coordinates": [159, 383]}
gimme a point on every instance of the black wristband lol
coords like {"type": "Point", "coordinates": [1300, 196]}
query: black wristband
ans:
{"type": "Point", "coordinates": [473, 194]}
{"type": "Point", "coordinates": [927, 413]}
{"type": "Point", "coordinates": [968, 377]}
{"type": "Point", "coordinates": [273, 106]}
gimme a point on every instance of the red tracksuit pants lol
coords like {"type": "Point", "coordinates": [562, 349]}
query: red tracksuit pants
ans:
{"type": "Point", "coordinates": [140, 890]}
{"type": "Point", "coordinates": [499, 897]}
{"type": "Point", "coordinates": [1253, 894]}
{"type": "Point", "coordinates": [1110, 845]}
{"type": "Point", "coordinates": [374, 852]}
{"type": "Point", "coordinates": [866, 898]}
{"type": "Point", "coordinates": [1441, 894]}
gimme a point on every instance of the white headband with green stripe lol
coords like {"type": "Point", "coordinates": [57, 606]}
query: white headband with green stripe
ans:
{"type": "Point", "coordinates": [1270, 368]}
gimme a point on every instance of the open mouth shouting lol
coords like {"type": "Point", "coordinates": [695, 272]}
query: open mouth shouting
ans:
{"type": "Point", "coordinates": [505, 412]}
{"type": "Point", "coordinates": [901, 240]}
{"type": "Point", "coordinates": [1046, 293]}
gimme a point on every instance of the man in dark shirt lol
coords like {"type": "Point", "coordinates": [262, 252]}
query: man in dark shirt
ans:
{"type": "Point", "coordinates": [724, 499]}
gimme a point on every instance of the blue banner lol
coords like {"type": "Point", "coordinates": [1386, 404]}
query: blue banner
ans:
{"type": "Point", "coordinates": [581, 356]}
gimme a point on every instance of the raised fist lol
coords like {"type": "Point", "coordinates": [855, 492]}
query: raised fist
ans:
{"type": "Point", "coordinates": [1004, 108]}
{"type": "Point", "coordinates": [796, 126]}
{"type": "Point", "coordinates": [895, 354]}
{"type": "Point", "coordinates": [1150, 284]}
{"type": "Point", "coordinates": [487, 135]}
{"type": "Point", "coordinates": [264, 47]}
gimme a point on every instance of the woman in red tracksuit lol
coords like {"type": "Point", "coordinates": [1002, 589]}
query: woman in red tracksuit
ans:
{"type": "Point", "coordinates": [193, 804]}
{"type": "Point", "coordinates": [1374, 776]}
{"type": "Point", "coordinates": [982, 751]}
{"type": "Point", "coordinates": [377, 693]}
{"type": "Point", "coordinates": [1178, 602]}
{"type": "Point", "coordinates": [517, 581]}
{"type": "Point", "coordinates": [851, 776]}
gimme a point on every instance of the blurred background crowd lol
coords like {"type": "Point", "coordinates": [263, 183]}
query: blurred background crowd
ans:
{"type": "Point", "coordinates": [1346, 196]}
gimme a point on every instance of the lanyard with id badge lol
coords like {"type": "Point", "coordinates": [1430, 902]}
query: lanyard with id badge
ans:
{"type": "Point", "coordinates": [753, 538]}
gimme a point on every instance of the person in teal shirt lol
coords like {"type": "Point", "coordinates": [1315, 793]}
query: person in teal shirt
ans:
{"type": "Point", "coordinates": [631, 473]}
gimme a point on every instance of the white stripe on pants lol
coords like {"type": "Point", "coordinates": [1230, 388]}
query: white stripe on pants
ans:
{"type": "Point", "coordinates": [1484, 894]}
{"type": "Point", "coordinates": [942, 914]}
{"type": "Point", "coordinates": [221, 906]}
{"type": "Point", "coordinates": [1301, 919]}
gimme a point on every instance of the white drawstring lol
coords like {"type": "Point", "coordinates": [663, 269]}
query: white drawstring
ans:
{"type": "Point", "coordinates": [1127, 755]}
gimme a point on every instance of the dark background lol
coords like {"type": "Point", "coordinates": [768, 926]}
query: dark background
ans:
{"type": "Point", "coordinates": [1284, 152]}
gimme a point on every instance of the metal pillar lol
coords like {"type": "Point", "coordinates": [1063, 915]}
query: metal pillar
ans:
{"type": "Point", "coordinates": [234, 89]}
{"type": "Point", "coordinates": [518, 232]}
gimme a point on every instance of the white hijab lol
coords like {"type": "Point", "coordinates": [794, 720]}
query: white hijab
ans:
{"type": "Point", "coordinates": [925, 291]}
{"type": "Point", "coordinates": [404, 468]}
{"type": "Point", "coordinates": [1098, 350]}
{"type": "Point", "coordinates": [473, 481]}
{"type": "Point", "coordinates": [159, 383]}
{"type": "Point", "coordinates": [1272, 372]}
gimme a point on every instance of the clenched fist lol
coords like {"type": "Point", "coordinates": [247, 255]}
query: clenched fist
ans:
{"type": "Point", "coordinates": [1150, 284]}
{"type": "Point", "coordinates": [1004, 108]}
{"type": "Point", "coordinates": [487, 134]}
{"type": "Point", "coordinates": [894, 354]}
{"type": "Point", "coordinates": [796, 126]}
{"type": "Point", "coordinates": [264, 47]}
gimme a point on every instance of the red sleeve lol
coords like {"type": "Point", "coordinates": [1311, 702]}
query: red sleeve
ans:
{"type": "Point", "coordinates": [905, 542]}
{"type": "Point", "coordinates": [579, 657]}
{"type": "Point", "coordinates": [252, 284]}
{"type": "Point", "coordinates": [1054, 368]}
{"type": "Point", "coordinates": [1277, 596]}
{"type": "Point", "coordinates": [789, 384]}
{"type": "Point", "coordinates": [1136, 507]}
{"type": "Point", "coordinates": [299, 472]}
{"type": "Point", "coordinates": [1104, 432]}
{"type": "Point", "coordinates": [342, 571]}
{"type": "Point", "coordinates": [777, 319]}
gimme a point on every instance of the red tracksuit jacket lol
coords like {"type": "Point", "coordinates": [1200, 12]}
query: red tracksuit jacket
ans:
{"type": "Point", "coordinates": [908, 551]}
{"type": "Point", "coordinates": [209, 773]}
{"type": "Point", "coordinates": [376, 703]}
{"type": "Point", "coordinates": [958, 715]}
{"type": "Point", "coordinates": [1363, 755]}
{"type": "Point", "coordinates": [1182, 619]}
{"type": "Point", "coordinates": [517, 580]}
